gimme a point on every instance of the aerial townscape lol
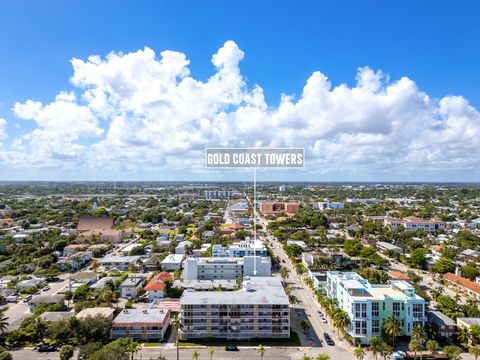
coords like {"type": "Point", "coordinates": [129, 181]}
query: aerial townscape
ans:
{"type": "Point", "coordinates": [201, 270]}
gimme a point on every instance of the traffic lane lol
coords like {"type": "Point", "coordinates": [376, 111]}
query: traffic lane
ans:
{"type": "Point", "coordinates": [271, 353]}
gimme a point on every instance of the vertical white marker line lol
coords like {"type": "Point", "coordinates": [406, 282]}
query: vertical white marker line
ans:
{"type": "Point", "coordinates": [254, 220]}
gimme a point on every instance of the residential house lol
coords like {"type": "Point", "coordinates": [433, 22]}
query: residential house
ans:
{"type": "Point", "coordinates": [131, 285]}
{"type": "Point", "coordinates": [156, 285]}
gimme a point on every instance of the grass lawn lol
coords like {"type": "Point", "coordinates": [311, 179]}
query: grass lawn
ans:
{"type": "Point", "coordinates": [293, 341]}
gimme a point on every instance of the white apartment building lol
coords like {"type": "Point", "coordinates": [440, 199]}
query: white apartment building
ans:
{"type": "Point", "coordinates": [259, 310]}
{"type": "Point", "coordinates": [368, 305]}
{"type": "Point", "coordinates": [226, 267]}
{"type": "Point", "coordinates": [247, 247]}
{"type": "Point", "coordinates": [172, 262]}
{"type": "Point", "coordinates": [330, 205]}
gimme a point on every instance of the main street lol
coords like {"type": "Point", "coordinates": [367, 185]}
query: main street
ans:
{"type": "Point", "coordinates": [307, 307]}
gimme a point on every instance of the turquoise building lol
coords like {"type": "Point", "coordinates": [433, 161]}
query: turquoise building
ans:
{"type": "Point", "coordinates": [368, 305]}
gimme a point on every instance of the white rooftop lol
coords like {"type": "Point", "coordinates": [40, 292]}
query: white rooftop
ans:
{"type": "Point", "coordinates": [256, 290]}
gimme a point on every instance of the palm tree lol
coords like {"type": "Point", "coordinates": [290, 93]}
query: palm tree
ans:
{"type": "Point", "coordinates": [432, 346]}
{"type": "Point", "coordinates": [195, 355]}
{"type": "Point", "coordinates": [375, 346]}
{"type": "Point", "coordinates": [341, 320]}
{"type": "Point", "coordinates": [211, 351]}
{"type": "Point", "coordinates": [306, 357]}
{"type": "Point", "coordinates": [359, 353]}
{"type": "Point", "coordinates": [261, 350]}
{"type": "Point", "coordinates": [284, 273]}
{"type": "Point", "coordinates": [133, 347]}
{"type": "Point", "coordinates": [415, 346]}
{"type": "Point", "coordinates": [392, 328]}
{"type": "Point", "coordinates": [305, 325]}
{"type": "Point", "coordinates": [475, 351]}
{"type": "Point", "coordinates": [418, 333]}
{"type": "Point", "coordinates": [322, 357]}
{"type": "Point", "coordinates": [177, 324]}
{"type": "Point", "coordinates": [41, 327]}
{"type": "Point", "coordinates": [385, 350]}
{"type": "Point", "coordinates": [3, 322]}
{"type": "Point", "coordinates": [464, 335]}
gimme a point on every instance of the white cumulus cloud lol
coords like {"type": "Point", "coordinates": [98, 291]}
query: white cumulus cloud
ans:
{"type": "Point", "coordinates": [141, 112]}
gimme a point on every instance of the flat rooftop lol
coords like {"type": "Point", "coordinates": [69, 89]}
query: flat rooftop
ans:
{"type": "Point", "coordinates": [142, 316]}
{"type": "Point", "coordinates": [256, 290]}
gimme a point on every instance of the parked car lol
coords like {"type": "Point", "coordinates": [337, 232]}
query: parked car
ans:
{"type": "Point", "coordinates": [328, 339]}
{"type": "Point", "coordinates": [46, 348]}
{"type": "Point", "coordinates": [27, 298]}
{"type": "Point", "coordinates": [46, 288]}
{"type": "Point", "coordinates": [231, 347]}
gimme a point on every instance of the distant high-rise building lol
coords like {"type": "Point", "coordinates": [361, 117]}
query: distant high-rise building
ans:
{"type": "Point", "coordinates": [220, 194]}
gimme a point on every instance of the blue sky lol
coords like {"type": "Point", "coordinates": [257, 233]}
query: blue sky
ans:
{"type": "Point", "coordinates": [435, 44]}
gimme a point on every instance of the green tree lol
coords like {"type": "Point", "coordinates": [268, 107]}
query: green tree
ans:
{"type": "Point", "coordinates": [392, 328]}
{"type": "Point", "coordinates": [305, 325]}
{"type": "Point", "coordinates": [3, 323]}
{"type": "Point", "coordinates": [375, 345]}
{"type": "Point", "coordinates": [66, 352]}
{"type": "Point", "coordinates": [284, 272]}
{"type": "Point", "coordinates": [132, 347]}
{"type": "Point", "coordinates": [261, 349]}
{"type": "Point", "coordinates": [211, 351]}
{"type": "Point", "coordinates": [5, 355]}
{"type": "Point", "coordinates": [418, 258]}
{"type": "Point", "coordinates": [444, 265]}
{"type": "Point", "coordinates": [432, 346]}
{"type": "Point", "coordinates": [359, 353]}
{"type": "Point", "coordinates": [341, 320]}
{"type": "Point", "coordinates": [195, 355]}
{"type": "Point", "coordinates": [116, 350]}
{"type": "Point", "coordinates": [453, 352]}
{"type": "Point", "coordinates": [386, 350]}
{"type": "Point", "coordinates": [470, 271]}
{"type": "Point", "coordinates": [418, 333]}
{"type": "Point", "coordinates": [322, 357]}
{"type": "Point", "coordinates": [415, 346]}
{"type": "Point", "coordinates": [41, 327]}
{"type": "Point", "coordinates": [475, 351]}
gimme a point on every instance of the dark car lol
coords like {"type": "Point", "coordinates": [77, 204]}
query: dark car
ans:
{"type": "Point", "coordinates": [328, 339]}
{"type": "Point", "coordinates": [231, 348]}
{"type": "Point", "coordinates": [46, 348]}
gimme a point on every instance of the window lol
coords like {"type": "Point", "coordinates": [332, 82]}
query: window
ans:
{"type": "Point", "coordinates": [375, 310]}
{"type": "Point", "coordinates": [396, 309]}
{"type": "Point", "coordinates": [361, 327]}
{"type": "Point", "coordinates": [375, 326]}
{"type": "Point", "coordinates": [418, 311]}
